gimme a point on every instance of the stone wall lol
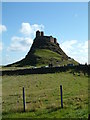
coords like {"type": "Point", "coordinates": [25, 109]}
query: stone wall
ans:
{"type": "Point", "coordinates": [51, 39]}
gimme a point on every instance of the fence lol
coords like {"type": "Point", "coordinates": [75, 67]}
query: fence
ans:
{"type": "Point", "coordinates": [61, 102]}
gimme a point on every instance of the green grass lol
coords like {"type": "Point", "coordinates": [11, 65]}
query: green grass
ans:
{"type": "Point", "coordinates": [47, 53]}
{"type": "Point", "coordinates": [15, 68]}
{"type": "Point", "coordinates": [47, 56]}
{"type": "Point", "coordinates": [43, 96]}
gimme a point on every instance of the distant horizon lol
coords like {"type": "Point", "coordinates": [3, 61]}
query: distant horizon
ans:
{"type": "Point", "coordinates": [68, 22]}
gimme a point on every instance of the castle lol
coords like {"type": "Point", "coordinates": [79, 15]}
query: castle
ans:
{"type": "Point", "coordinates": [49, 38]}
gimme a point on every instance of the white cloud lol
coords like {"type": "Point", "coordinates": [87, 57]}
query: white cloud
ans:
{"type": "Point", "coordinates": [83, 47]}
{"type": "Point", "coordinates": [0, 46]}
{"type": "Point", "coordinates": [26, 29]}
{"type": "Point", "coordinates": [76, 50]}
{"type": "Point", "coordinates": [20, 43]}
{"type": "Point", "coordinates": [2, 28]}
{"type": "Point", "coordinates": [8, 59]}
{"type": "Point", "coordinates": [28, 33]}
{"type": "Point", "coordinates": [22, 40]}
{"type": "Point", "coordinates": [67, 46]}
{"type": "Point", "coordinates": [29, 30]}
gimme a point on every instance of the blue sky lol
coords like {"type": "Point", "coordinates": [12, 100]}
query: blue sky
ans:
{"type": "Point", "coordinates": [68, 22]}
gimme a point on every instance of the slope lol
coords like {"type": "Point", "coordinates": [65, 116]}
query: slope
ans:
{"type": "Point", "coordinates": [44, 52]}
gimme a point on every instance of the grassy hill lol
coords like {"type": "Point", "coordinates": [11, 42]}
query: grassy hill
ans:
{"type": "Point", "coordinates": [43, 95]}
{"type": "Point", "coordinates": [43, 52]}
{"type": "Point", "coordinates": [43, 57]}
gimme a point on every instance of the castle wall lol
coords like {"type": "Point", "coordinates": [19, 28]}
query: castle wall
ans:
{"type": "Point", "coordinates": [57, 44]}
{"type": "Point", "coordinates": [51, 39]}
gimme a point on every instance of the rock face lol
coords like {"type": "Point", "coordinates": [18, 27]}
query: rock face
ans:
{"type": "Point", "coordinates": [44, 50]}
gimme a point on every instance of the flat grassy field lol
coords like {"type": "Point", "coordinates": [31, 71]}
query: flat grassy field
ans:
{"type": "Point", "coordinates": [43, 96]}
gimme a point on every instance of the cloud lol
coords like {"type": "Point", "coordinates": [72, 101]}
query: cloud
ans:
{"type": "Point", "coordinates": [22, 40]}
{"type": "Point", "coordinates": [1, 46]}
{"type": "Point", "coordinates": [76, 49]}
{"type": "Point", "coordinates": [2, 28]}
{"type": "Point", "coordinates": [67, 46]}
{"type": "Point", "coordinates": [26, 29]}
{"type": "Point", "coordinates": [28, 33]}
{"type": "Point", "coordinates": [8, 59]}
{"type": "Point", "coordinates": [29, 30]}
{"type": "Point", "coordinates": [20, 43]}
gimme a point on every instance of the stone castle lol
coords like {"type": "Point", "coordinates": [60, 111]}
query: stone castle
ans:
{"type": "Point", "coordinates": [40, 35]}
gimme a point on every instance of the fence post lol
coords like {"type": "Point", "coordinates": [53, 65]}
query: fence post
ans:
{"type": "Point", "coordinates": [61, 96]}
{"type": "Point", "coordinates": [23, 99]}
{"type": "Point", "coordinates": [89, 117]}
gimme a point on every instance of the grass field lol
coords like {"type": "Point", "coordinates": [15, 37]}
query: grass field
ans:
{"type": "Point", "coordinates": [43, 96]}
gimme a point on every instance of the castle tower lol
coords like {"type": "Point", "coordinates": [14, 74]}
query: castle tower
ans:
{"type": "Point", "coordinates": [38, 34]}
{"type": "Point", "coordinates": [42, 33]}
{"type": "Point", "coordinates": [55, 40]}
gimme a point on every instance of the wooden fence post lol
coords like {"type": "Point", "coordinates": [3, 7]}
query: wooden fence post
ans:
{"type": "Point", "coordinates": [61, 96]}
{"type": "Point", "coordinates": [23, 99]}
{"type": "Point", "coordinates": [89, 117]}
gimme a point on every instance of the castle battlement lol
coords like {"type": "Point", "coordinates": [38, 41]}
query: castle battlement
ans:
{"type": "Point", "coordinates": [50, 38]}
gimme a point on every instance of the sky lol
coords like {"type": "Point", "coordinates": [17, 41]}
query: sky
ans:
{"type": "Point", "coordinates": [67, 21]}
